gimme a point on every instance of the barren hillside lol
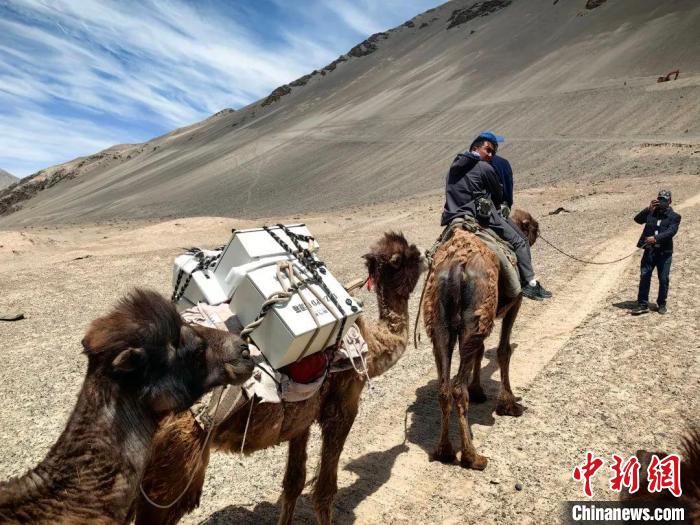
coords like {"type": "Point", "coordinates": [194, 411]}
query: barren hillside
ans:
{"type": "Point", "coordinates": [6, 179]}
{"type": "Point", "coordinates": [573, 89]}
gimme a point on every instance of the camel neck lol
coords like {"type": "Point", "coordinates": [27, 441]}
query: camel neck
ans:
{"type": "Point", "coordinates": [393, 311]}
{"type": "Point", "coordinates": [102, 451]}
{"type": "Point", "coordinates": [386, 340]}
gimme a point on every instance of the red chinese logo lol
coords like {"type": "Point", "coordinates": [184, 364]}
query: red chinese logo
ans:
{"type": "Point", "coordinates": [662, 474]}
{"type": "Point", "coordinates": [586, 471]}
{"type": "Point", "coordinates": [625, 474]}
{"type": "Point", "coordinates": [665, 474]}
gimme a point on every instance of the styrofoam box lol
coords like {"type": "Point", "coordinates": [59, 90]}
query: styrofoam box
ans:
{"type": "Point", "coordinates": [251, 249]}
{"type": "Point", "coordinates": [203, 287]}
{"type": "Point", "coordinates": [287, 331]}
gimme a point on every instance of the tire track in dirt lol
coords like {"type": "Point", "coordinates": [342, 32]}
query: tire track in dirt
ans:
{"type": "Point", "coordinates": [413, 479]}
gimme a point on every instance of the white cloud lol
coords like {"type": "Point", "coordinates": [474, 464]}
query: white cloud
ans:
{"type": "Point", "coordinates": [114, 71]}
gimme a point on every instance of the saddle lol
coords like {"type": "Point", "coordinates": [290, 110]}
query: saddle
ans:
{"type": "Point", "coordinates": [289, 384]}
{"type": "Point", "coordinates": [509, 276]}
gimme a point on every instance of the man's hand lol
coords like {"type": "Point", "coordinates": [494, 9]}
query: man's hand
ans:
{"type": "Point", "coordinates": [650, 240]}
{"type": "Point", "coordinates": [653, 204]}
{"type": "Point", "coordinates": [505, 211]}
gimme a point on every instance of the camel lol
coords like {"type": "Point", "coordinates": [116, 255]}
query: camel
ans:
{"type": "Point", "coordinates": [143, 364]}
{"type": "Point", "coordinates": [394, 267]}
{"type": "Point", "coordinates": [462, 302]}
{"type": "Point", "coordinates": [689, 479]}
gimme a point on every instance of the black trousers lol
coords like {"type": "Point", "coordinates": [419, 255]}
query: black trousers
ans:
{"type": "Point", "coordinates": [510, 233]}
{"type": "Point", "coordinates": [662, 262]}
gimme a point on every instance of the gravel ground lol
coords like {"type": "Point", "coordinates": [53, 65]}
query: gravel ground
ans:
{"type": "Point", "coordinates": [591, 376]}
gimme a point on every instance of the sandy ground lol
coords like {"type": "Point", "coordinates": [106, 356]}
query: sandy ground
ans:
{"type": "Point", "coordinates": [591, 376]}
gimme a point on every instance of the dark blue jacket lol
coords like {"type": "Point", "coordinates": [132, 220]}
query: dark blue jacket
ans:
{"type": "Point", "coordinates": [468, 179]}
{"type": "Point", "coordinates": [662, 224]}
{"type": "Point", "coordinates": [505, 172]}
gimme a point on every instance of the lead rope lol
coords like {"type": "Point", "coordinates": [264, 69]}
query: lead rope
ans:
{"type": "Point", "coordinates": [201, 456]}
{"type": "Point", "coordinates": [585, 261]}
{"type": "Point", "coordinates": [416, 335]}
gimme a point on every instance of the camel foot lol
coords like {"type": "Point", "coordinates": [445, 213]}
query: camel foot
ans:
{"type": "Point", "coordinates": [476, 462]}
{"type": "Point", "coordinates": [510, 409]}
{"type": "Point", "coordinates": [476, 394]}
{"type": "Point", "coordinates": [444, 454]}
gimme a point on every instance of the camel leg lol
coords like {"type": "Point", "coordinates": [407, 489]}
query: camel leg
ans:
{"type": "Point", "coordinates": [443, 344]}
{"type": "Point", "coordinates": [337, 416]}
{"type": "Point", "coordinates": [175, 459]}
{"type": "Point", "coordinates": [476, 392]}
{"type": "Point", "coordinates": [294, 476]}
{"type": "Point", "coordinates": [469, 349]}
{"type": "Point", "coordinates": [507, 404]}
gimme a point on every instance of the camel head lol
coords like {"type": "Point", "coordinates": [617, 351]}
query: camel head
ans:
{"type": "Point", "coordinates": [146, 349]}
{"type": "Point", "coordinates": [527, 224]}
{"type": "Point", "coordinates": [394, 265]}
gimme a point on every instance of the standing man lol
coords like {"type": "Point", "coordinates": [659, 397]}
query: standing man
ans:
{"type": "Point", "coordinates": [660, 225]}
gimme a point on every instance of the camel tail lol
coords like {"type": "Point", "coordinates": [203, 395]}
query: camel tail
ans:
{"type": "Point", "coordinates": [456, 300]}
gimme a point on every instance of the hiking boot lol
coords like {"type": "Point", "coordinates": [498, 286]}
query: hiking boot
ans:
{"type": "Point", "coordinates": [640, 309]}
{"type": "Point", "coordinates": [536, 292]}
{"type": "Point", "coordinates": [662, 309]}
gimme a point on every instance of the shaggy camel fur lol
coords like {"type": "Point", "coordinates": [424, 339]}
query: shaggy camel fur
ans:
{"type": "Point", "coordinates": [690, 478]}
{"type": "Point", "coordinates": [143, 363]}
{"type": "Point", "coordinates": [394, 267]}
{"type": "Point", "coordinates": [462, 302]}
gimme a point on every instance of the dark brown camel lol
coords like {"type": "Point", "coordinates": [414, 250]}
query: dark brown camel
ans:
{"type": "Point", "coordinates": [143, 363]}
{"type": "Point", "coordinates": [690, 479]}
{"type": "Point", "coordinates": [462, 303]}
{"type": "Point", "coordinates": [394, 267]}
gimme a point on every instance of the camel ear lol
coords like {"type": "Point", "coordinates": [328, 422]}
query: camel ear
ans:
{"type": "Point", "coordinates": [129, 360]}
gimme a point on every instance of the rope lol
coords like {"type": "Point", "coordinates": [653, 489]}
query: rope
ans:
{"type": "Point", "coordinates": [247, 422]}
{"type": "Point", "coordinates": [201, 455]}
{"type": "Point", "coordinates": [583, 260]}
{"type": "Point", "coordinates": [416, 335]}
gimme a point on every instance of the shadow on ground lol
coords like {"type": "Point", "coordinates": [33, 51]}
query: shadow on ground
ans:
{"type": "Point", "coordinates": [372, 470]}
{"type": "Point", "coordinates": [425, 413]}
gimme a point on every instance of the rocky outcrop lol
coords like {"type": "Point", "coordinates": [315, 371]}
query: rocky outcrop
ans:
{"type": "Point", "coordinates": [276, 95]}
{"type": "Point", "coordinates": [223, 112]}
{"type": "Point", "coordinates": [592, 4]}
{"type": "Point", "coordinates": [462, 16]}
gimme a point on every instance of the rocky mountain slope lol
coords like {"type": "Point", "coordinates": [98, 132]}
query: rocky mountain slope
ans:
{"type": "Point", "coordinates": [6, 179]}
{"type": "Point", "coordinates": [571, 84]}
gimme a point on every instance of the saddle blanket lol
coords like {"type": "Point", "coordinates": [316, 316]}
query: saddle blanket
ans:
{"type": "Point", "coordinates": [268, 384]}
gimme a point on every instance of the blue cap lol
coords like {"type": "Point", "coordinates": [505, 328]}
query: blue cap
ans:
{"type": "Point", "coordinates": [491, 136]}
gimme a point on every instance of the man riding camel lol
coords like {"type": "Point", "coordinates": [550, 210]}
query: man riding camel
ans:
{"type": "Point", "coordinates": [474, 188]}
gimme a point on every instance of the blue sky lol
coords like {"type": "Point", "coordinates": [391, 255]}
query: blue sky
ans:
{"type": "Point", "coordinates": [77, 76]}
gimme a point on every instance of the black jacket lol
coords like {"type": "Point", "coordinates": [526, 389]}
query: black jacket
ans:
{"type": "Point", "coordinates": [468, 179]}
{"type": "Point", "coordinates": [662, 224]}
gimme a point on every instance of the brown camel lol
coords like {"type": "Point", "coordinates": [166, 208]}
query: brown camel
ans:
{"type": "Point", "coordinates": [462, 302]}
{"type": "Point", "coordinates": [689, 479]}
{"type": "Point", "coordinates": [143, 363]}
{"type": "Point", "coordinates": [394, 267]}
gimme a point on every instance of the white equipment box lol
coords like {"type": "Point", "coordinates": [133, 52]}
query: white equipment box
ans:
{"type": "Point", "coordinates": [202, 286]}
{"type": "Point", "coordinates": [288, 331]}
{"type": "Point", "coordinates": [247, 272]}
